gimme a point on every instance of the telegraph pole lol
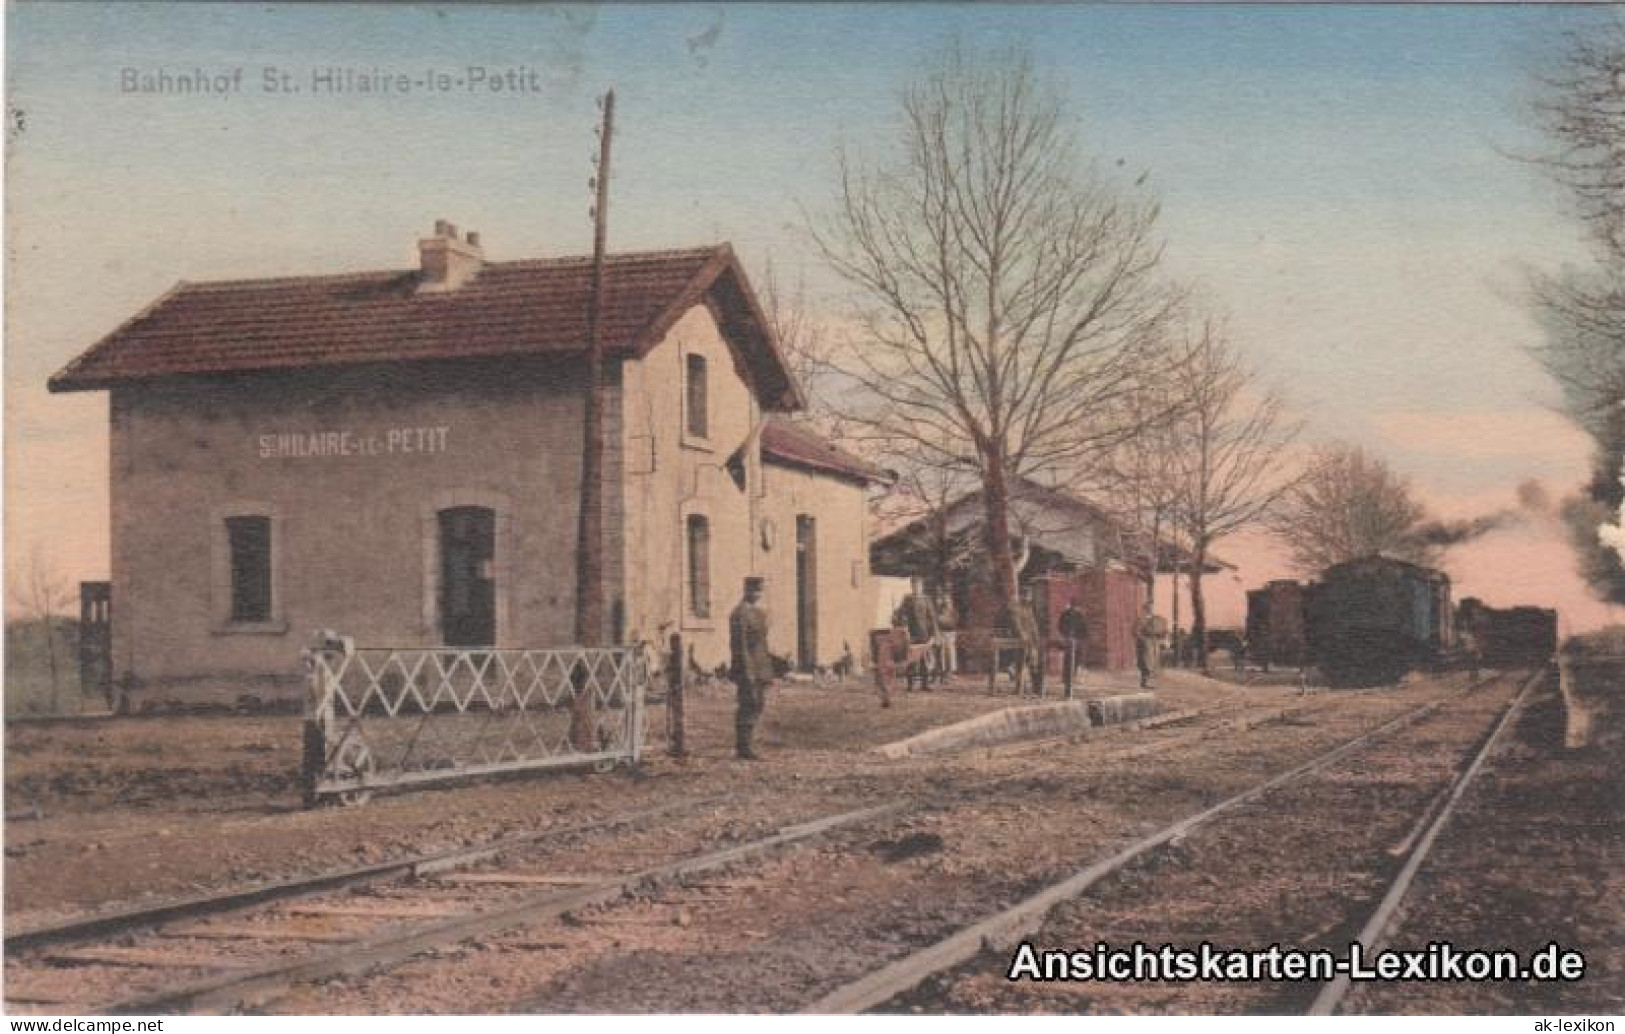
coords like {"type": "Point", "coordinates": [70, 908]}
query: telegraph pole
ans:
{"type": "Point", "coordinates": [590, 557]}
{"type": "Point", "coordinates": [590, 546]}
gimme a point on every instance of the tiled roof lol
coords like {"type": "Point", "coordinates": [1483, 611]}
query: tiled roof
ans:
{"type": "Point", "coordinates": [890, 551]}
{"type": "Point", "coordinates": [784, 442]}
{"type": "Point", "coordinates": [508, 308]}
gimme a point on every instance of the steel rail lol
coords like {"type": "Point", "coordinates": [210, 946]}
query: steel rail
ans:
{"type": "Point", "coordinates": [1372, 933]}
{"type": "Point", "coordinates": [233, 990]}
{"type": "Point", "coordinates": [1026, 916]}
{"type": "Point", "coordinates": [90, 927]}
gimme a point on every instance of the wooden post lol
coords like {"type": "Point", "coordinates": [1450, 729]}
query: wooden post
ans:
{"type": "Point", "coordinates": [318, 714]}
{"type": "Point", "coordinates": [676, 675]}
{"type": "Point", "coordinates": [1178, 646]}
{"type": "Point", "coordinates": [314, 761]}
{"type": "Point", "coordinates": [590, 542]}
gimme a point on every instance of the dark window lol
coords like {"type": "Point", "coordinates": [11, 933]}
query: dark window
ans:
{"type": "Point", "coordinates": [699, 417]}
{"type": "Point", "coordinates": [806, 592]}
{"type": "Point", "coordinates": [699, 567]}
{"type": "Point", "coordinates": [250, 539]}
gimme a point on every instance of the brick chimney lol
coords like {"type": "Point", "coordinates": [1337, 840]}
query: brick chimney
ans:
{"type": "Point", "coordinates": [448, 260]}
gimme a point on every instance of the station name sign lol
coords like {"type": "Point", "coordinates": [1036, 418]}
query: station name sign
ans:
{"type": "Point", "coordinates": [393, 441]}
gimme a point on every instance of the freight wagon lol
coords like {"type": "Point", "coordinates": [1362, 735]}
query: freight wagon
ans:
{"type": "Point", "coordinates": [1275, 625]}
{"type": "Point", "coordinates": [1510, 637]}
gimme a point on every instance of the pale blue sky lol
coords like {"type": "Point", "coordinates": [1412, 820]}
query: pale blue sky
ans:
{"type": "Point", "coordinates": [1335, 178]}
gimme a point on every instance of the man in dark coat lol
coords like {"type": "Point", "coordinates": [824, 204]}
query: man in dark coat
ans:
{"type": "Point", "coordinates": [1074, 637]}
{"type": "Point", "coordinates": [751, 666]}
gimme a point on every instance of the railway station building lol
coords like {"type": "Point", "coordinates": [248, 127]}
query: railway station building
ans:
{"type": "Point", "coordinates": [396, 456]}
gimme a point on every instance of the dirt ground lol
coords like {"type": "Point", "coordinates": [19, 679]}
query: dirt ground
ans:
{"type": "Point", "coordinates": [108, 812]}
{"type": "Point", "coordinates": [995, 826]}
{"type": "Point", "coordinates": [137, 809]}
{"type": "Point", "coordinates": [1535, 855]}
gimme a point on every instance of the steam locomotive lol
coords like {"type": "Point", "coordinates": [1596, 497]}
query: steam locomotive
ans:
{"type": "Point", "coordinates": [1371, 620]}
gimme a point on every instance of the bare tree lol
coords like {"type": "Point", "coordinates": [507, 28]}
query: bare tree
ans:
{"type": "Point", "coordinates": [1581, 106]}
{"type": "Point", "coordinates": [1228, 450]}
{"type": "Point", "coordinates": [804, 342]}
{"type": "Point", "coordinates": [1139, 482]}
{"type": "Point", "coordinates": [922, 496]}
{"type": "Point", "coordinates": [41, 595]}
{"type": "Point", "coordinates": [1351, 504]}
{"type": "Point", "coordinates": [1008, 297]}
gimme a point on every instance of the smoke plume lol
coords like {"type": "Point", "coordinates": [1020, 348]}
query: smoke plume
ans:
{"type": "Point", "coordinates": [1454, 533]}
{"type": "Point", "coordinates": [1535, 499]}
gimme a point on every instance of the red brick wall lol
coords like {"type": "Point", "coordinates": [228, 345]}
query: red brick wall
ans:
{"type": "Point", "coordinates": [1111, 602]}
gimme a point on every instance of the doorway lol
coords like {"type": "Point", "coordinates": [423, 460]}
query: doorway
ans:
{"type": "Point", "coordinates": [806, 593]}
{"type": "Point", "coordinates": [468, 612]}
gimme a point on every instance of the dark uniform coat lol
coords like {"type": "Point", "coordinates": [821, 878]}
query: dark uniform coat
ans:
{"type": "Point", "coordinates": [751, 668]}
{"type": "Point", "coordinates": [1072, 625]}
{"type": "Point", "coordinates": [917, 615]}
{"type": "Point", "coordinates": [747, 644]}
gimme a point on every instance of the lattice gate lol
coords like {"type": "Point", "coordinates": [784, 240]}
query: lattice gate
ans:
{"type": "Point", "coordinates": [388, 717]}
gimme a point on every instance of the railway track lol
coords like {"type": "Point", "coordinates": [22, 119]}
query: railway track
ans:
{"type": "Point", "coordinates": [231, 950]}
{"type": "Point", "coordinates": [1535, 854]}
{"type": "Point", "coordinates": [1312, 847]}
{"type": "Point", "coordinates": [816, 920]}
{"type": "Point", "coordinates": [853, 877]}
{"type": "Point", "coordinates": [127, 921]}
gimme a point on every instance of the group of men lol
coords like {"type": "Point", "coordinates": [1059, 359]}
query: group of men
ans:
{"type": "Point", "coordinates": [932, 619]}
{"type": "Point", "coordinates": [1021, 625]}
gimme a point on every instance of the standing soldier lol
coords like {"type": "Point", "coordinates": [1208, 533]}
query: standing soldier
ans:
{"type": "Point", "coordinates": [751, 666]}
{"type": "Point", "coordinates": [1074, 637]}
{"type": "Point", "coordinates": [1147, 644]}
{"type": "Point", "coordinates": [1467, 636]}
{"type": "Point", "coordinates": [947, 635]}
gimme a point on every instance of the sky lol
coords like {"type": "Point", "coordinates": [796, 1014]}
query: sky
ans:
{"type": "Point", "coordinates": [1342, 182]}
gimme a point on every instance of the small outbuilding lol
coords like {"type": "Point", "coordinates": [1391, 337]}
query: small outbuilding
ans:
{"type": "Point", "coordinates": [1066, 548]}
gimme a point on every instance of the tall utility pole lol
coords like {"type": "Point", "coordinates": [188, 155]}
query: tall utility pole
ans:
{"type": "Point", "coordinates": [590, 545]}
{"type": "Point", "coordinates": [590, 555]}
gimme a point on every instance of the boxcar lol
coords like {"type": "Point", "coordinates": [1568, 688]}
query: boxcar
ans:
{"type": "Point", "coordinates": [1510, 637]}
{"type": "Point", "coordinates": [1275, 625]}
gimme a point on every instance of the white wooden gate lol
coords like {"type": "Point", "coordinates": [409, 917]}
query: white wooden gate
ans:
{"type": "Point", "coordinates": [390, 717]}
